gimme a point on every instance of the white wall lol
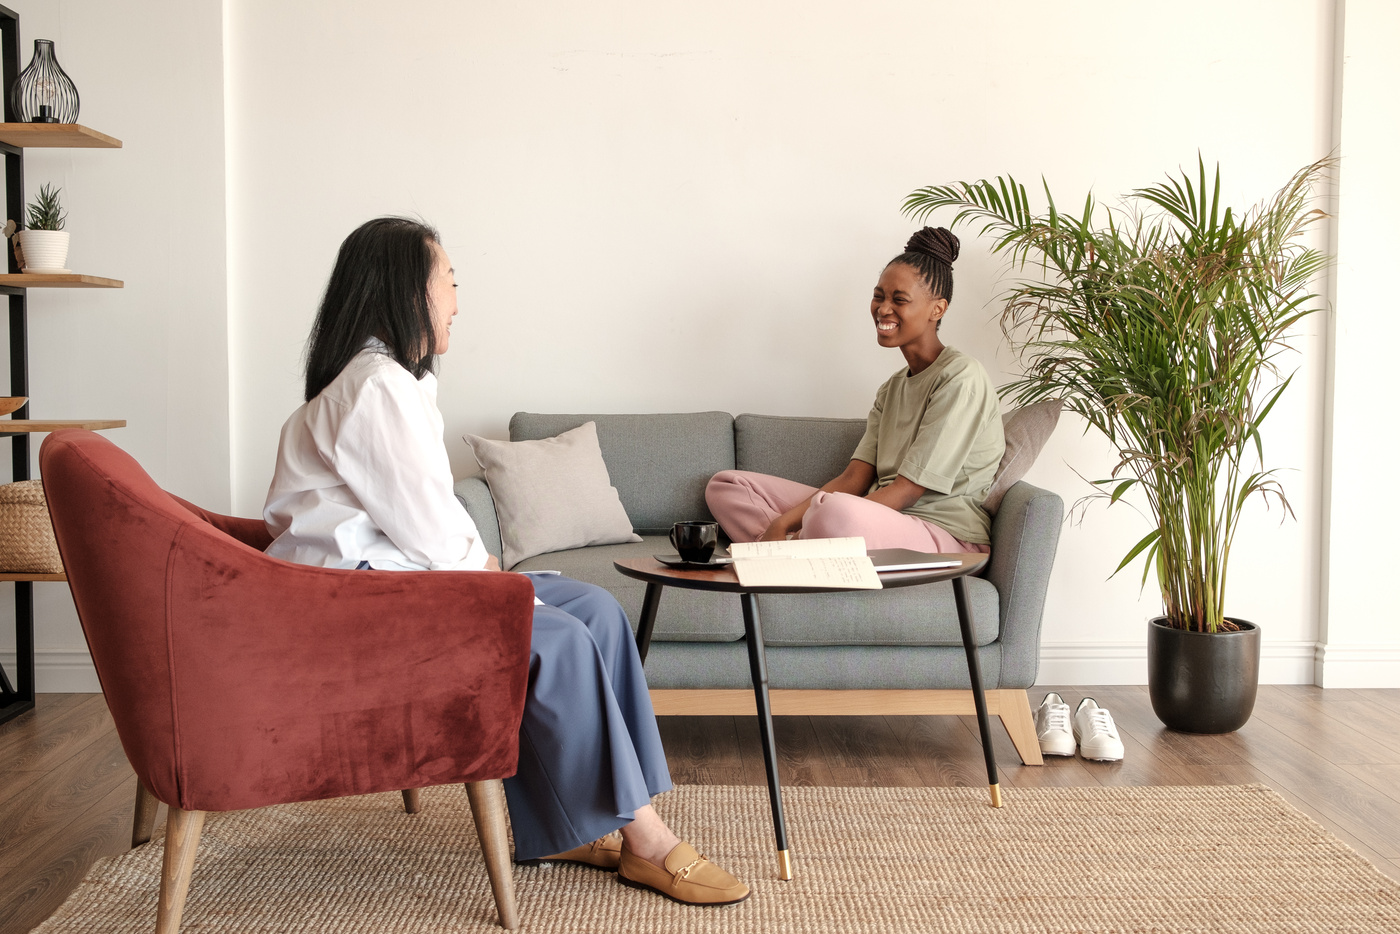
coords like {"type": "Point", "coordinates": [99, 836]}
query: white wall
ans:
{"type": "Point", "coordinates": [627, 186]}
{"type": "Point", "coordinates": [1361, 642]}
{"type": "Point", "coordinates": [151, 214]}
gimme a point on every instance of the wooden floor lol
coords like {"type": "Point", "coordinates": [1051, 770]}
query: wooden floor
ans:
{"type": "Point", "coordinates": [66, 790]}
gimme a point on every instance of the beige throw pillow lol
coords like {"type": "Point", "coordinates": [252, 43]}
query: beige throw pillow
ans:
{"type": "Point", "coordinates": [1027, 430]}
{"type": "Point", "coordinates": [552, 495]}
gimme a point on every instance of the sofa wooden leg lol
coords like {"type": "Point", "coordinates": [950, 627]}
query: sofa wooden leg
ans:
{"type": "Point", "coordinates": [1014, 708]}
{"type": "Point", "coordinates": [410, 800]}
{"type": "Point", "coordinates": [143, 822]}
{"type": "Point", "coordinates": [182, 830]}
{"type": "Point", "coordinates": [488, 801]}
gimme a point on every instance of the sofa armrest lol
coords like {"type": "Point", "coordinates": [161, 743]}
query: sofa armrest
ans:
{"type": "Point", "coordinates": [1025, 534]}
{"type": "Point", "coordinates": [475, 497]}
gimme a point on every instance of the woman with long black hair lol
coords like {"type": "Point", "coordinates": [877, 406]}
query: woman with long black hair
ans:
{"type": "Point", "coordinates": [362, 481]}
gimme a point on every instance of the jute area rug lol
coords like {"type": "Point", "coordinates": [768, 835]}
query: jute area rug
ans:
{"type": "Point", "coordinates": [1218, 859]}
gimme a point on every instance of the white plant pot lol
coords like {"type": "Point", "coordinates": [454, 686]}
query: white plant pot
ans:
{"type": "Point", "coordinates": [41, 251]}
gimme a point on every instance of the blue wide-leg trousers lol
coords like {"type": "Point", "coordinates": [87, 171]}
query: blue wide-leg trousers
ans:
{"type": "Point", "coordinates": [590, 752]}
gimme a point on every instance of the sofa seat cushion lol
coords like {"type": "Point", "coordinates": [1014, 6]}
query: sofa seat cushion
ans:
{"type": "Point", "coordinates": [691, 665]}
{"type": "Point", "coordinates": [903, 616]}
{"type": "Point", "coordinates": [684, 615]}
{"type": "Point", "coordinates": [925, 615]}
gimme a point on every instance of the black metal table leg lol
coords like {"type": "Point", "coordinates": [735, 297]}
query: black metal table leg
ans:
{"type": "Point", "coordinates": [974, 673]}
{"type": "Point", "coordinates": [758, 668]}
{"type": "Point", "coordinates": [647, 623]}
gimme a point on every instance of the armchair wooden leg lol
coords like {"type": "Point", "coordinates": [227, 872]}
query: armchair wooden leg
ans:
{"type": "Point", "coordinates": [488, 801]}
{"type": "Point", "coordinates": [144, 820]}
{"type": "Point", "coordinates": [410, 800]}
{"type": "Point", "coordinates": [182, 831]}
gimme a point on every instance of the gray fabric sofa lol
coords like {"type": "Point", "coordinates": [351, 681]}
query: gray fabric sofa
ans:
{"type": "Point", "coordinates": [892, 651]}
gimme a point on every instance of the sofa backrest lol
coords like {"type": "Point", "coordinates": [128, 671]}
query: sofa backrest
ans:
{"type": "Point", "coordinates": [658, 463]}
{"type": "Point", "coordinates": [808, 450]}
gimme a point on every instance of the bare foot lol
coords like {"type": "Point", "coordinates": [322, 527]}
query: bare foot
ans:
{"type": "Point", "coordinates": [649, 837]}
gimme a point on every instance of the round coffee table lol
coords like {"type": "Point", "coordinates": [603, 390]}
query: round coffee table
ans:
{"type": "Point", "coordinates": [724, 580]}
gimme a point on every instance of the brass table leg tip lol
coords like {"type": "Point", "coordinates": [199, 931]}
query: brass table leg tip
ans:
{"type": "Point", "coordinates": [996, 795]}
{"type": "Point", "coordinates": [784, 866]}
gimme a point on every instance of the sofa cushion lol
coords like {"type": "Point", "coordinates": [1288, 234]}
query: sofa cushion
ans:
{"type": "Point", "coordinates": [808, 450]}
{"type": "Point", "coordinates": [551, 494]}
{"type": "Point", "coordinates": [851, 667]}
{"type": "Point", "coordinates": [684, 615]}
{"type": "Point", "coordinates": [1026, 429]}
{"type": "Point", "coordinates": [922, 615]}
{"type": "Point", "coordinates": [658, 463]}
{"type": "Point", "coordinates": [907, 616]}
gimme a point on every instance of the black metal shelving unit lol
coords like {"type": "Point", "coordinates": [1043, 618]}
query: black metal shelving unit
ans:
{"type": "Point", "coordinates": [17, 694]}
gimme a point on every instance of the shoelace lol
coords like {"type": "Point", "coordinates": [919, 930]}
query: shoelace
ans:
{"type": "Point", "coordinates": [1057, 717]}
{"type": "Point", "coordinates": [1101, 722]}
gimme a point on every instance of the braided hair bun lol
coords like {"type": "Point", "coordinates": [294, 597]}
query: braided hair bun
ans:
{"type": "Point", "coordinates": [931, 251]}
{"type": "Point", "coordinates": [938, 242]}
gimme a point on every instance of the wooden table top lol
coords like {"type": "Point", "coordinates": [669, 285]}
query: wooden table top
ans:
{"type": "Point", "coordinates": [724, 579]}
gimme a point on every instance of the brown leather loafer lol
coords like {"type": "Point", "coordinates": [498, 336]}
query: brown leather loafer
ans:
{"type": "Point", "coordinates": [603, 853]}
{"type": "Point", "coordinates": [688, 878]}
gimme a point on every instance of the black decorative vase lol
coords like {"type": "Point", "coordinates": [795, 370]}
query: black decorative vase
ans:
{"type": "Point", "coordinates": [43, 92]}
{"type": "Point", "coordinates": [1202, 682]}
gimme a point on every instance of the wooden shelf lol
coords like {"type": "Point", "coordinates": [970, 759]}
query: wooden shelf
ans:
{"type": "Point", "coordinates": [27, 576]}
{"type": "Point", "coordinates": [71, 280]}
{"type": "Point", "coordinates": [30, 425]}
{"type": "Point", "coordinates": [55, 136]}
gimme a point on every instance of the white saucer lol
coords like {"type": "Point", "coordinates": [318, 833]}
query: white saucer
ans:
{"type": "Point", "coordinates": [37, 271]}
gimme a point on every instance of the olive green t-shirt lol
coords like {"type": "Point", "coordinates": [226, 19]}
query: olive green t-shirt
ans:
{"type": "Point", "coordinates": [941, 430]}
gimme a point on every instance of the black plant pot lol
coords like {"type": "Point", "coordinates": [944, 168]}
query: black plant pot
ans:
{"type": "Point", "coordinates": [1202, 682]}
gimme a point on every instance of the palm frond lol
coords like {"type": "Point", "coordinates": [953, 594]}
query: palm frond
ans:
{"type": "Point", "coordinates": [1161, 322]}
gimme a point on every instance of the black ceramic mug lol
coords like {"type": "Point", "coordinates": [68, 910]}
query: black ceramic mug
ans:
{"type": "Point", "coordinates": [695, 540]}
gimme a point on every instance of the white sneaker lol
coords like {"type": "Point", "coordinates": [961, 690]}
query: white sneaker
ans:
{"type": "Point", "coordinates": [1095, 732]}
{"type": "Point", "coordinates": [1052, 726]}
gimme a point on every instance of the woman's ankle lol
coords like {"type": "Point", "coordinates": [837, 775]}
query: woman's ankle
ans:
{"type": "Point", "coordinates": [648, 837]}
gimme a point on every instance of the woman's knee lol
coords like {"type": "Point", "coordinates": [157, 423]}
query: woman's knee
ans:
{"type": "Point", "coordinates": [596, 608]}
{"type": "Point", "coordinates": [559, 634]}
{"type": "Point", "coordinates": [720, 487]}
{"type": "Point", "coordinates": [833, 515]}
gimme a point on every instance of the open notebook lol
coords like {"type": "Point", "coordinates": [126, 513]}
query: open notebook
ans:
{"type": "Point", "coordinates": [805, 562]}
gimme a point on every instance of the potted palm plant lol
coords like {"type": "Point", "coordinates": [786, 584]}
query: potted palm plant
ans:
{"type": "Point", "coordinates": [1164, 322]}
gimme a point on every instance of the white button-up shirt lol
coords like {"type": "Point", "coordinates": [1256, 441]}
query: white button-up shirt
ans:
{"type": "Point", "coordinates": [362, 475]}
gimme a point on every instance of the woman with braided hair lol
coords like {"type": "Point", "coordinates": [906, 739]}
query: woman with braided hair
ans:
{"type": "Point", "coordinates": [932, 441]}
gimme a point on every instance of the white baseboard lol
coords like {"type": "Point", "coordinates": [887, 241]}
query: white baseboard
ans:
{"type": "Point", "coordinates": [1357, 666]}
{"type": "Point", "coordinates": [59, 671]}
{"type": "Point", "coordinates": [1126, 663]}
{"type": "Point", "coordinates": [70, 671]}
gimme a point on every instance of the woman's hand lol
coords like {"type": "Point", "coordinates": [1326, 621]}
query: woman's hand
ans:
{"type": "Point", "coordinates": [899, 495]}
{"type": "Point", "coordinates": [492, 564]}
{"type": "Point", "coordinates": [779, 530]}
{"type": "Point", "coordinates": [855, 479]}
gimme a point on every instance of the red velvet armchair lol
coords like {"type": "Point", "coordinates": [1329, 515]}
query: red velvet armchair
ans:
{"type": "Point", "coordinates": [238, 681]}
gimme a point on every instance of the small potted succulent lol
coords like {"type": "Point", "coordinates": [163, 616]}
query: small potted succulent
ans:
{"type": "Point", "coordinates": [43, 246]}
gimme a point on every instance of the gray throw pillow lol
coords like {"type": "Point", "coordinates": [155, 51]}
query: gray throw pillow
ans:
{"type": "Point", "coordinates": [552, 495]}
{"type": "Point", "coordinates": [1027, 429]}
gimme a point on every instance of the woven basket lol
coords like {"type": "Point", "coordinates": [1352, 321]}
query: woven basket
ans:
{"type": "Point", "coordinates": [26, 534]}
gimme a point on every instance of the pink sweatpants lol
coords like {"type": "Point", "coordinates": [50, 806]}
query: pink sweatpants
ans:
{"type": "Point", "coordinates": [746, 503]}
